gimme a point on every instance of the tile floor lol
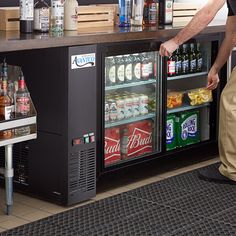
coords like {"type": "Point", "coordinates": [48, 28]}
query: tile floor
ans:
{"type": "Point", "coordinates": [27, 209]}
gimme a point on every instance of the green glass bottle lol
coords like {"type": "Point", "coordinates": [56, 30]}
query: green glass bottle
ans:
{"type": "Point", "coordinates": [185, 60]}
{"type": "Point", "coordinates": [178, 62]}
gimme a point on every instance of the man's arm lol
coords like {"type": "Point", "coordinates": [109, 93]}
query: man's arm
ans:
{"type": "Point", "coordinates": [201, 19]}
{"type": "Point", "coordinates": [226, 47]}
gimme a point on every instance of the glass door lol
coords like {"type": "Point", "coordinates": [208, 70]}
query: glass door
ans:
{"type": "Point", "coordinates": [189, 103]}
{"type": "Point", "coordinates": [132, 106]}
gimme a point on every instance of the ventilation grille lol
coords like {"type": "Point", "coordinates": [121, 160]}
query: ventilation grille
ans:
{"type": "Point", "coordinates": [82, 171]}
{"type": "Point", "coordinates": [20, 162]}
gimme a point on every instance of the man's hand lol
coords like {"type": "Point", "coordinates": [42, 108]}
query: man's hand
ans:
{"type": "Point", "coordinates": [167, 48]}
{"type": "Point", "coordinates": [213, 80]}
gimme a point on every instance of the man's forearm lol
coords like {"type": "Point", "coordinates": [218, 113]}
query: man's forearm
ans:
{"type": "Point", "coordinates": [227, 45]}
{"type": "Point", "coordinates": [202, 18]}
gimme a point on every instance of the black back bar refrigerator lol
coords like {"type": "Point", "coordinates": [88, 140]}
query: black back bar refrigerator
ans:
{"type": "Point", "coordinates": [61, 165]}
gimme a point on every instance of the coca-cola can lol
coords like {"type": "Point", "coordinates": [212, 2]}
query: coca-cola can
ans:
{"type": "Point", "coordinates": [112, 110]}
{"type": "Point", "coordinates": [143, 104]}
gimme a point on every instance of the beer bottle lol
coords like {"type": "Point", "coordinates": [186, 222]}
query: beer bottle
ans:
{"type": "Point", "coordinates": [178, 62]}
{"type": "Point", "coordinates": [199, 58]}
{"type": "Point", "coordinates": [150, 13]}
{"type": "Point", "coordinates": [185, 60]}
{"type": "Point", "coordinates": [171, 65]}
{"type": "Point", "coordinates": [192, 59]}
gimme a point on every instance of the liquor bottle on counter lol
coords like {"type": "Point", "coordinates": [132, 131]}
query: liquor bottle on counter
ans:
{"type": "Point", "coordinates": [192, 59]}
{"type": "Point", "coordinates": [199, 58]}
{"type": "Point", "coordinates": [41, 16]}
{"type": "Point", "coordinates": [165, 12]}
{"type": "Point", "coordinates": [178, 62]}
{"type": "Point", "coordinates": [26, 16]}
{"type": "Point", "coordinates": [5, 103]}
{"type": "Point", "coordinates": [150, 13]}
{"type": "Point", "coordinates": [22, 105]}
{"type": "Point", "coordinates": [171, 66]}
{"type": "Point", "coordinates": [57, 16]}
{"type": "Point", "coordinates": [185, 60]}
{"type": "Point", "coordinates": [137, 13]}
{"type": "Point", "coordinates": [70, 19]}
{"type": "Point", "coordinates": [124, 13]}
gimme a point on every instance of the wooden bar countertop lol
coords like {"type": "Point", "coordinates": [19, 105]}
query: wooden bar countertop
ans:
{"type": "Point", "coordinates": [14, 41]}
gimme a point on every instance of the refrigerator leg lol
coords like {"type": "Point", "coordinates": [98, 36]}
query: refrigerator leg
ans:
{"type": "Point", "coordinates": [8, 178]}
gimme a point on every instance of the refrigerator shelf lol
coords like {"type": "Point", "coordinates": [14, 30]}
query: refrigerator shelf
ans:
{"type": "Point", "coordinates": [131, 120]}
{"type": "Point", "coordinates": [128, 85]}
{"type": "Point", "coordinates": [187, 76]}
{"type": "Point", "coordinates": [186, 108]}
{"type": "Point", "coordinates": [18, 139]}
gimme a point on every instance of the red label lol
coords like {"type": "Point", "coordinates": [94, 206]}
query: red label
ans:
{"type": "Point", "coordinates": [112, 145]}
{"type": "Point", "coordinates": [139, 139]}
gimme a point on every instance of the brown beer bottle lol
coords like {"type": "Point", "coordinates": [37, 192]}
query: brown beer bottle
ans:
{"type": "Point", "coordinates": [150, 13]}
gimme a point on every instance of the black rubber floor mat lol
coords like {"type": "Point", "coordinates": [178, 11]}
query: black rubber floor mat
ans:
{"type": "Point", "coordinates": [158, 192]}
{"type": "Point", "coordinates": [207, 228]}
{"type": "Point", "coordinates": [180, 205]}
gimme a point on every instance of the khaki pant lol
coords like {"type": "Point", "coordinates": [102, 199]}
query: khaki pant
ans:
{"type": "Point", "coordinates": [227, 128]}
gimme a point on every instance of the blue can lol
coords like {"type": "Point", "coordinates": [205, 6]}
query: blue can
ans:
{"type": "Point", "coordinates": [124, 13]}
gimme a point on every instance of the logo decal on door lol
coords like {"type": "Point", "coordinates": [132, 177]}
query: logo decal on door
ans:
{"type": "Point", "coordinates": [83, 60]}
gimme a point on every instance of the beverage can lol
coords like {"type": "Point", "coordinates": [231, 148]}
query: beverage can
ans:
{"type": "Point", "coordinates": [143, 104]}
{"type": "Point", "coordinates": [120, 103]}
{"type": "Point", "coordinates": [136, 67]}
{"type": "Point", "coordinates": [120, 69]}
{"type": "Point", "coordinates": [112, 110]}
{"type": "Point", "coordinates": [128, 68]}
{"type": "Point", "coordinates": [144, 67]}
{"type": "Point", "coordinates": [110, 71]}
{"type": "Point", "coordinates": [128, 107]}
{"type": "Point", "coordinates": [136, 105]}
{"type": "Point", "coordinates": [107, 112]}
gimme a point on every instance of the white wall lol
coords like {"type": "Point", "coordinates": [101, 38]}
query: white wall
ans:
{"type": "Point", "coordinates": [222, 14]}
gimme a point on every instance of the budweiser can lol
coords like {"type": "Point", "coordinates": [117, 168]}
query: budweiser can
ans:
{"type": "Point", "coordinates": [135, 105]}
{"type": "Point", "coordinates": [112, 110]}
{"type": "Point", "coordinates": [143, 104]}
{"type": "Point", "coordinates": [120, 103]}
{"type": "Point", "coordinates": [128, 107]}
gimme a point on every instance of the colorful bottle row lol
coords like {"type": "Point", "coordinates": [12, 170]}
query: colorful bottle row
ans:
{"type": "Point", "coordinates": [130, 68]}
{"type": "Point", "coordinates": [38, 17]}
{"type": "Point", "coordinates": [185, 60]}
{"type": "Point", "coordinates": [14, 102]}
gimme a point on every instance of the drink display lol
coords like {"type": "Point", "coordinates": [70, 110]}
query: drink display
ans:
{"type": "Point", "coordinates": [26, 16]}
{"type": "Point", "coordinates": [15, 102]}
{"type": "Point", "coordinates": [41, 16]}
{"type": "Point", "coordinates": [128, 68]}
{"type": "Point", "coordinates": [130, 106]}
{"type": "Point", "coordinates": [185, 60]}
{"type": "Point", "coordinates": [57, 16]}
